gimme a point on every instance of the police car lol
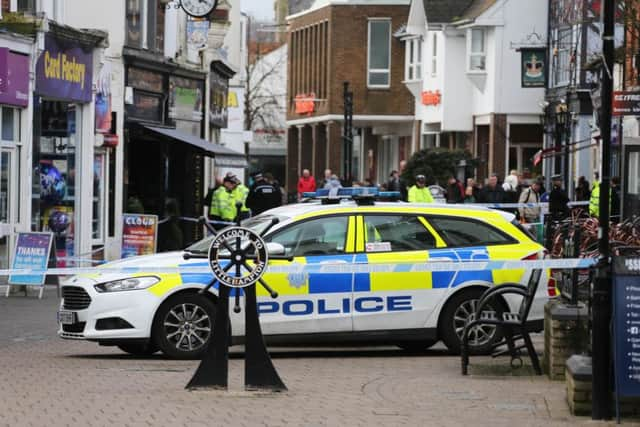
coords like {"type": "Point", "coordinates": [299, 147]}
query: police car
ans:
{"type": "Point", "coordinates": [384, 300]}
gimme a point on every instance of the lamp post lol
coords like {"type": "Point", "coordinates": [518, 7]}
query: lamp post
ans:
{"type": "Point", "coordinates": [563, 133]}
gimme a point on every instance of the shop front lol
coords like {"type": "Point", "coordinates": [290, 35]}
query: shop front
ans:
{"type": "Point", "coordinates": [165, 151]}
{"type": "Point", "coordinates": [63, 146]}
{"type": "Point", "coordinates": [14, 103]}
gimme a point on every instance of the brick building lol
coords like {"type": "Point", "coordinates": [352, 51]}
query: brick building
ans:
{"type": "Point", "coordinates": [348, 41]}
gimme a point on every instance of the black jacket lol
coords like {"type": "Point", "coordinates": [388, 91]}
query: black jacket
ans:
{"type": "Point", "coordinates": [558, 200]}
{"type": "Point", "coordinates": [491, 195]}
{"type": "Point", "coordinates": [262, 197]}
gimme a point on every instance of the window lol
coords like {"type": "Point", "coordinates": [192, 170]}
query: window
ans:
{"type": "Point", "coordinates": [398, 233]}
{"type": "Point", "coordinates": [379, 53]}
{"type": "Point", "coordinates": [10, 124]}
{"type": "Point", "coordinates": [477, 49]}
{"type": "Point", "coordinates": [145, 24]}
{"type": "Point", "coordinates": [322, 236]}
{"type": "Point", "coordinates": [99, 180]}
{"type": "Point", "coordinates": [413, 59]}
{"type": "Point", "coordinates": [562, 57]}
{"type": "Point", "coordinates": [434, 54]}
{"type": "Point", "coordinates": [28, 6]}
{"type": "Point", "coordinates": [462, 232]}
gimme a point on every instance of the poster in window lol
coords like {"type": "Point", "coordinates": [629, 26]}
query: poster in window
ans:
{"type": "Point", "coordinates": [533, 67]}
{"type": "Point", "coordinates": [185, 99]}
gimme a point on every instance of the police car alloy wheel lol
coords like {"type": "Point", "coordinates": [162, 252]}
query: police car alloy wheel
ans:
{"type": "Point", "coordinates": [454, 318]}
{"type": "Point", "coordinates": [183, 325]}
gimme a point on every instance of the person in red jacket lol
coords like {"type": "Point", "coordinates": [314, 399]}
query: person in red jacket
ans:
{"type": "Point", "coordinates": [306, 183]}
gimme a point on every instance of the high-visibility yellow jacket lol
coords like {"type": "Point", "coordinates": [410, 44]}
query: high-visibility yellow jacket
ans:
{"type": "Point", "coordinates": [223, 204]}
{"type": "Point", "coordinates": [594, 201]}
{"type": "Point", "coordinates": [420, 195]}
{"type": "Point", "coordinates": [240, 194]}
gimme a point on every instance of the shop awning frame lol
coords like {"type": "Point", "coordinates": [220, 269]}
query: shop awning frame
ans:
{"type": "Point", "coordinates": [223, 156]}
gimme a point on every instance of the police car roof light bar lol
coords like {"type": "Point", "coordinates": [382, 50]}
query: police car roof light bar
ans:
{"type": "Point", "coordinates": [361, 195]}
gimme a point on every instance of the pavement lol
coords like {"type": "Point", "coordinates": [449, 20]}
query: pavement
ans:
{"type": "Point", "coordinates": [46, 381]}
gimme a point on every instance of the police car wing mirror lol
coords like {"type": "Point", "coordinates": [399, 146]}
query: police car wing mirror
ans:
{"type": "Point", "coordinates": [275, 249]}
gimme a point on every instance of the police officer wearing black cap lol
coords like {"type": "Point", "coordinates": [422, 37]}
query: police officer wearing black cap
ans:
{"type": "Point", "coordinates": [263, 195]}
{"type": "Point", "coordinates": [558, 199]}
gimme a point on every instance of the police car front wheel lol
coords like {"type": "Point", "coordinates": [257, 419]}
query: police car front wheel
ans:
{"type": "Point", "coordinates": [183, 326]}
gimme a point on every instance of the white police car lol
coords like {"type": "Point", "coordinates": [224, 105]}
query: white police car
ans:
{"type": "Point", "coordinates": [142, 313]}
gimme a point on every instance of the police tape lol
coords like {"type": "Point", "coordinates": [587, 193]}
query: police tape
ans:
{"type": "Point", "coordinates": [448, 265]}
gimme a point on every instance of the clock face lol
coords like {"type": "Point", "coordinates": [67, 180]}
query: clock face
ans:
{"type": "Point", "coordinates": [198, 8]}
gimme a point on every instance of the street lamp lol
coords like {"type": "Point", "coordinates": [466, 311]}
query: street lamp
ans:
{"type": "Point", "coordinates": [563, 131]}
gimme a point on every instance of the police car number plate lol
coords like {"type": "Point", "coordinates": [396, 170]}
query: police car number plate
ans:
{"type": "Point", "coordinates": [67, 317]}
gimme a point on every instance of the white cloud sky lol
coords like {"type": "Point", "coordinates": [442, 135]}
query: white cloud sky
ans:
{"type": "Point", "coordinates": [258, 8]}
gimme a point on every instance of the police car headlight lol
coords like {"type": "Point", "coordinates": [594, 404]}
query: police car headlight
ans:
{"type": "Point", "coordinates": [130, 284]}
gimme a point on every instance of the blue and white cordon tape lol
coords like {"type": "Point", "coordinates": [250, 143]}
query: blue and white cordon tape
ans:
{"type": "Point", "coordinates": [333, 267]}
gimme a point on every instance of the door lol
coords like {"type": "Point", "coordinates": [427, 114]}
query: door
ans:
{"type": "Point", "coordinates": [398, 298]}
{"type": "Point", "coordinates": [8, 203]}
{"type": "Point", "coordinates": [311, 302]}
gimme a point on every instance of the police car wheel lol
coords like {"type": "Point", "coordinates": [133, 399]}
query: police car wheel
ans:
{"type": "Point", "coordinates": [139, 349]}
{"type": "Point", "coordinates": [416, 345]}
{"type": "Point", "coordinates": [183, 326]}
{"type": "Point", "coordinates": [454, 318]}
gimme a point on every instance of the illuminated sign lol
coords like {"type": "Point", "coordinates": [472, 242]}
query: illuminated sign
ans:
{"type": "Point", "coordinates": [431, 98]}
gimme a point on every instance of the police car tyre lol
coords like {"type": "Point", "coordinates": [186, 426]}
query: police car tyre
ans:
{"type": "Point", "coordinates": [453, 319]}
{"type": "Point", "coordinates": [416, 345]}
{"type": "Point", "coordinates": [139, 349]}
{"type": "Point", "coordinates": [183, 325]}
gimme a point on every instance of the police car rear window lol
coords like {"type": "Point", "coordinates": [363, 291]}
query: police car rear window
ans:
{"type": "Point", "coordinates": [464, 232]}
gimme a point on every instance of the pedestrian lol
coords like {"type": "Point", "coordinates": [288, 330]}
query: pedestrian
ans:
{"type": "Point", "coordinates": [419, 193]}
{"type": "Point", "coordinates": [492, 192]}
{"type": "Point", "coordinates": [475, 189]}
{"type": "Point", "coordinates": [530, 214]}
{"type": "Point", "coordinates": [394, 181]}
{"type": "Point", "coordinates": [404, 185]}
{"type": "Point", "coordinates": [455, 191]}
{"type": "Point", "coordinates": [594, 198]}
{"type": "Point", "coordinates": [327, 177]}
{"type": "Point", "coordinates": [333, 185]}
{"type": "Point", "coordinates": [615, 199]}
{"type": "Point", "coordinates": [263, 195]}
{"type": "Point", "coordinates": [583, 192]}
{"type": "Point", "coordinates": [276, 184]}
{"type": "Point", "coordinates": [240, 194]}
{"type": "Point", "coordinates": [306, 183]}
{"type": "Point", "coordinates": [223, 205]}
{"type": "Point", "coordinates": [558, 200]}
{"type": "Point", "coordinates": [511, 182]}
{"type": "Point", "coordinates": [468, 195]}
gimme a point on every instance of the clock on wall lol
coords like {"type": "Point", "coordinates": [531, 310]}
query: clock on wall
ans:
{"type": "Point", "coordinates": [198, 8]}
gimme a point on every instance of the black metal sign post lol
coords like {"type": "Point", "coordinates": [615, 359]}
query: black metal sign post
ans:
{"type": "Point", "coordinates": [247, 260]}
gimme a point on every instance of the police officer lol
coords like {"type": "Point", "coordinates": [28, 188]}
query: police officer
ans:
{"type": "Point", "coordinates": [263, 195]}
{"type": "Point", "coordinates": [223, 203]}
{"type": "Point", "coordinates": [558, 199]}
{"type": "Point", "coordinates": [240, 194]}
{"type": "Point", "coordinates": [419, 193]}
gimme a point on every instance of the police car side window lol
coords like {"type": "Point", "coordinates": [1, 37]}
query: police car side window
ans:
{"type": "Point", "coordinates": [462, 232]}
{"type": "Point", "coordinates": [400, 232]}
{"type": "Point", "coordinates": [321, 236]}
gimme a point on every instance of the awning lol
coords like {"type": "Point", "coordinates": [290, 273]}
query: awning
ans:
{"type": "Point", "coordinates": [222, 156]}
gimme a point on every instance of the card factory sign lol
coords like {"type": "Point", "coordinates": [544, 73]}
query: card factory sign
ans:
{"type": "Point", "coordinates": [64, 71]}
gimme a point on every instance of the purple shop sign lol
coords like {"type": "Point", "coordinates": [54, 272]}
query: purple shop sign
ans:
{"type": "Point", "coordinates": [14, 78]}
{"type": "Point", "coordinates": [64, 71]}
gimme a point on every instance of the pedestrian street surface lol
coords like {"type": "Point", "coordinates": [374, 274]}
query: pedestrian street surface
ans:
{"type": "Point", "coordinates": [45, 381]}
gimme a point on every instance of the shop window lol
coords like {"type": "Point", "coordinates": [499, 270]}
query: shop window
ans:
{"type": "Point", "coordinates": [54, 206]}
{"type": "Point", "coordinates": [477, 48]}
{"type": "Point", "coordinates": [379, 53]}
{"type": "Point", "coordinates": [10, 124]}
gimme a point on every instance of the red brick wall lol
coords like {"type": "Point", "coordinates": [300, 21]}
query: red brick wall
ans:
{"type": "Point", "coordinates": [5, 5]}
{"type": "Point", "coordinates": [347, 34]}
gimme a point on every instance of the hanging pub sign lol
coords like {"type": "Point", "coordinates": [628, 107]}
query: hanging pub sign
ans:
{"type": "Point", "coordinates": [64, 71]}
{"type": "Point", "coordinates": [626, 103]}
{"type": "Point", "coordinates": [14, 78]}
{"type": "Point", "coordinates": [185, 99]}
{"type": "Point", "coordinates": [218, 108]}
{"type": "Point", "coordinates": [532, 67]}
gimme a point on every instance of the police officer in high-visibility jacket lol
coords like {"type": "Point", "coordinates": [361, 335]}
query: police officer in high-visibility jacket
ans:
{"type": "Point", "coordinates": [419, 193]}
{"type": "Point", "coordinates": [223, 202]}
{"type": "Point", "coordinates": [240, 194]}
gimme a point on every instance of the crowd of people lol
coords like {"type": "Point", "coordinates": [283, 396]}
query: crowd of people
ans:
{"type": "Point", "coordinates": [266, 193]}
